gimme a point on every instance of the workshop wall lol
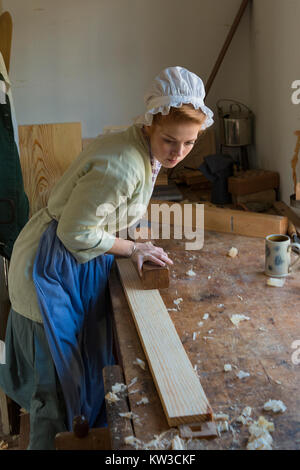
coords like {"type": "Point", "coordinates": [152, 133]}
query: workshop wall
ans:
{"type": "Point", "coordinates": [274, 33]}
{"type": "Point", "coordinates": [92, 60]}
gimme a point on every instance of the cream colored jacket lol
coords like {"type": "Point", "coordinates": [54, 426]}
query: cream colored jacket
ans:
{"type": "Point", "coordinates": [114, 170]}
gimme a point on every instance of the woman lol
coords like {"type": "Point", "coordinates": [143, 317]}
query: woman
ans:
{"type": "Point", "coordinates": [59, 334]}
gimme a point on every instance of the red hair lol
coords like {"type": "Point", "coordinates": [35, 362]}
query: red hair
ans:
{"type": "Point", "coordinates": [186, 113]}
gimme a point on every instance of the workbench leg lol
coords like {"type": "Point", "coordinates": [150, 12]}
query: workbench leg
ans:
{"type": "Point", "coordinates": [4, 413]}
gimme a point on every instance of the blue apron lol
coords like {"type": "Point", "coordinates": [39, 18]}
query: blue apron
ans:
{"type": "Point", "coordinates": [75, 307]}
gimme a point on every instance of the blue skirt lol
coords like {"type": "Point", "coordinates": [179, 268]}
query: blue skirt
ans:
{"type": "Point", "coordinates": [75, 307]}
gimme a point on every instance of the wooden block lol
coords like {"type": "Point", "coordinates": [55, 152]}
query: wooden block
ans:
{"type": "Point", "coordinates": [206, 430]}
{"type": "Point", "coordinates": [238, 222]}
{"type": "Point", "coordinates": [178, 385]}
{"type": "Point", "coordinates": [46, 151]}
{"type": "Point", "coordinates": [155, 277]}
{"type": "Point", "coordinates": [252, 181]}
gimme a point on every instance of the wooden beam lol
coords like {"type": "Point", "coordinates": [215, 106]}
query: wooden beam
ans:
{"type": "Point", "coordinates": [283, 209]}
{"type": "Point", "coordinates": [251, 224]}
{"type": "Point", "coordinates": [178, 385]}
{"type": "Point", "coordinates": [6, 28]}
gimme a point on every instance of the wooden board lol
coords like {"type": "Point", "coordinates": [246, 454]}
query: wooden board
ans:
{"type": "Point", "coordinates": [283, 209]}
{"type": "Point", "coordinates": [238, 222]}
{"type": "Point", "coordinates": [46, 151]}
{"type": "Point", "coordinates": [295, 167]}
{"type": "Point", "coordinates": [179, 388]}
{"type": "Point", "coordinates": [252, 181]}
{"type": "Point", "coordinates": [5, 37]}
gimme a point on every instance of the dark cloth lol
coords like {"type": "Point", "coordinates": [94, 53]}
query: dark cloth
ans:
{"type": "Point", "coordinates": [14, 206]}
{"type": "Point", "coordinates": [30, 379]}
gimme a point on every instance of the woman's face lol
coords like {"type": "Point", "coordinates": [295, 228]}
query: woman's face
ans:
{"type": "Point", "coordinates": [171, 142]}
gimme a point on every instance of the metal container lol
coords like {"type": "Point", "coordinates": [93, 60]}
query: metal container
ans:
{"type": "Point", "coordinates": [236, 124]}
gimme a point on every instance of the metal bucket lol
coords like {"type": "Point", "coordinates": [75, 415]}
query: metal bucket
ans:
{"type": "Point", "coordinates": [236, 124]}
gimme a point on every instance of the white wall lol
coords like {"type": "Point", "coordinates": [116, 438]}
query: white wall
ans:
{"type": "Point", "coordinates": [275, 64]}
{"type": "Point", "coordinates": [91, 60]}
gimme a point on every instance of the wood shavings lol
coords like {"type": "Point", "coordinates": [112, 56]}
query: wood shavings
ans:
{"type": "Point", "coordinates": [221, 417]}
{"type": "Point", "coordinates": [275, 282]}
{"type": "Point", "coordinates": [111, 397]}
{"type": "Point", "coordinates": [190, 273]}
{"type": "Point", "coordinates": [143, 401]}
{"type": "Point", "coordinates": [227, 367]}
{"type": "Point", "coordinates": [241, 374]}
{"type": "Point", "coordinates": [178, 443]}
{"type": "Point", "coordinates": [244, 417]}
{"type": "Point", "coordinates": [247, 411]}
{"type": "Point", "coordinates": [275, 405]}
{"type": "Point", "coordinates": [260, 437]}
{"type": "Point", "coordinates": [222, 426]}
{"type": "Point", "coordinates": [140, 363]}
{"type": "Point", "coordinates": [237, 318]}
{"type": "Point", "coordinates": [133, 441]}
{"type": "Point", "coordinates": [177, 302]}
{"type": "Point", "coordinates": [133, 381]}
{"type": "Point", "coordinates": [161, 442]}
{"type": "Point", "coordinates": [128, 415]}
{"type": "Point", "coordinates": [117, 388]}
{"type": "Point", "coordinates": [3, 445]}
{"type": "Point", "coordinates": [233, 252]}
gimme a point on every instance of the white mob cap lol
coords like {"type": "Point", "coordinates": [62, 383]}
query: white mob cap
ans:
{"type": "Point", "coordinates": [173, 87]}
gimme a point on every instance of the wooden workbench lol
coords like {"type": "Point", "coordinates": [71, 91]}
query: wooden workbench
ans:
{"type": "Point", "coordinates": [261, 346]}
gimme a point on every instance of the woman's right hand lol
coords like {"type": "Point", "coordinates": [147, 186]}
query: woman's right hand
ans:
{"type": "Point", "coordinates": [149, 252]}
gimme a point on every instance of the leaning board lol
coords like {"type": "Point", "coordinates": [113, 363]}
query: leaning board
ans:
{"type": "Point", "coordinates": [178, 385]}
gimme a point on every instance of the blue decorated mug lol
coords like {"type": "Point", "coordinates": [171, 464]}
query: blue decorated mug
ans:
{"type": "Point", "coordinates": [278, 255]}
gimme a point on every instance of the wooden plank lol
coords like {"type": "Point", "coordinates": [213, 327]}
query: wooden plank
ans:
{"type": "Point", "coordinates": [283, 209]}
{"type": "Point", "coordinates": [252, 181]}
{"type": "Point", "coordinates": [178, 386]}
{"type": "Point", "coordinates": [237, 222]}
{"type": "Point", "coordinates": [46, 151]}
{"type": "Point", "coordinates": [6, 37]}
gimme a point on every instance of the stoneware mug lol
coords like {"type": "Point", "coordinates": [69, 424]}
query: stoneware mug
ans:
{"type": "Point", "coordinates": [278, 255]}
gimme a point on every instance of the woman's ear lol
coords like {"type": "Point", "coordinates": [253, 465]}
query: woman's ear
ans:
{"type": "Point", "coordinates": [148, 130]}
